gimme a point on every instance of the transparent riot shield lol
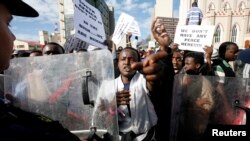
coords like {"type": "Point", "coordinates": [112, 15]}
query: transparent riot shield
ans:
{"type": "Point", "coordinates": [65, 88]}
{"type": "Point", "coordinates": [205, 107]}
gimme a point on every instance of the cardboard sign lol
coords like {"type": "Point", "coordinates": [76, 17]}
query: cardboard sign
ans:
{"type": "Point", "coordinates": [123, 24]}
{"type": "Point", "coordinates": [88, 24]}
{"type": "Point", "coordinates": [194, 37]}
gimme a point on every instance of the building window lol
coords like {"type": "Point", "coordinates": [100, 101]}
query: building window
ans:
{"type": "Point", "coordinates": [226, 7]}
{"type": "Point", "coordinates": [242, 6]}
{"type": "Point", "coordinates": [211, 7]}
{"type": "Point", "coordinates": [217, 34]}
{"type": "Point", "coordinates": [234, 34]}
{"type": "Point", "coordinates": [248, 29]}
{"type": "Point", "coordinates": [20, 46]}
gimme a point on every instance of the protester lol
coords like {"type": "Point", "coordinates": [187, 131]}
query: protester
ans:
{"type": "Point", "coordinates": [194, 15]}
{"type": "Point", "coordinates": [162, 96]}
{"type": "Point", "coordinates": [36, 53]}
{"type": "Point", "coordinates": [141, 96]}
{"type": "Point", "coordinates": [227, 52]}
{"type": "Point", "coordinates": [174, 46]}
{"type": "Point", "coordinates": [20, 53]}
{"type": "Point", "coordinates": [53, 48]}
{"type": "Point", "coordinates": [16, 124]}
{"type": "Point", "coordinates": [115, 53]}
{"type": "Point", "coordinates": [136, 115]}
{"type": "Point", "coordinates": [177, 61]}
{"type": "Point", "coordinates": [244, 56]}
{"type": "Point", "coordinates": [135, 42]}
{"type": "Point", "coordinates": [197, 97]}
{"type": "Point", "coordinates": [142, 53]}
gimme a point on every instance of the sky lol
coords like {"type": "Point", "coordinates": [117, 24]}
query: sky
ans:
{"type": "Point", "coordinates": [28, 28]}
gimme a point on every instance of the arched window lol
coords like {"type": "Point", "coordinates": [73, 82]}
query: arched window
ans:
{"type": "Point", "coordinates": [242, 6]}
{"type": "Point", "coordinates": [217, 34]}
{"type": "Point", "coordinates": [234, 33]}
{"type": "Point", "coordinates": [226, 7]}
{"type": "Point", "coordinates": [211, 7]}
{"type": "Point", "coordinates": [248, 29]}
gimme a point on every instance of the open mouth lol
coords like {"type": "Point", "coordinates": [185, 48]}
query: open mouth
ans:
{"type": "Point", "coordinates": [127, 69]}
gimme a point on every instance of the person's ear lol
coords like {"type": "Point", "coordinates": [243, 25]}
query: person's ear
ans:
{"type": "Point", "coordinates": [197, 66]}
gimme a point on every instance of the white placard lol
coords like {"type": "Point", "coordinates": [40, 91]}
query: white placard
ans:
{"type": "Point", "coordinates": [88, 24]}
{"type": "Point", "coordinates": [194, 37]}
{"type": "Point", "coordinates": [73, 43]}
{"type": "Point", "coordinates": [123, 24]}
{"type": "Point", "coordinates": [151, 44]}
{"type": "Point", "coordinates": [134, 29]}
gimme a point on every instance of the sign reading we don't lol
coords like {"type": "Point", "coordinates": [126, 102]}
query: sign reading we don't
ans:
{"type": "Point", "coordinates": [194, 38]}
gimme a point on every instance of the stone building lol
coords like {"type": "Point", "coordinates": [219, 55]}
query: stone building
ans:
{"type": "Point", "coordinates": [230, 17]}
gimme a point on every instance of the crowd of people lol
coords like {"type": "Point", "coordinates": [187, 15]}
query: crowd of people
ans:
{"type": "Point", "coordinates": [144, 85]}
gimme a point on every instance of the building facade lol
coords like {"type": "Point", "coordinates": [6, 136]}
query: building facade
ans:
{"type": "Point", "coordinates": [164, 10]}
{"type": "Point", "coordinates": [231, 19]}
{"type": "Point", "coordinates": [170, 24]}
{"type": "Point", "coordinates": [26, 45]}
{"type": "Point", "coordinates": [67, 17]}
{"type": "Point", "coordinates": [43, 37]}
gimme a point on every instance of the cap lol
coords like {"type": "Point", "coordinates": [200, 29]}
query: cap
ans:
{"type": "Point", "coordinates": [244, 55]}
{"type": "Point", "coordinates": [19, 8]}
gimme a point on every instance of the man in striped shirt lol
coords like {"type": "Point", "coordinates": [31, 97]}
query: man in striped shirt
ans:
{"type": "Point", "coordinates": [194, 15]}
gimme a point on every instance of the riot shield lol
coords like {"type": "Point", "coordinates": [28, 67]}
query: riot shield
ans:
{"type": "Point", "coordinates": [204, 108]}
{"type": "Point", "coordinates": [65, 88]}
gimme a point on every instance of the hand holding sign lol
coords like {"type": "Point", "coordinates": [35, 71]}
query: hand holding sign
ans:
{"type": "Point", "coordinates": [194, 37]}
{"type": "Point", "coordinates": [125, 24]}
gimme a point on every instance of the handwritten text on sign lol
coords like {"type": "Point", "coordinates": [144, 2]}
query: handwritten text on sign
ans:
{"type": "Point", "coordinates": [123, 24]}
{"type": "Point", "coordinates": [134, 29]}
{"type": "Point", "coordinates": [88, 24]}
{"type": "Point", "coordinates": [194, 38]}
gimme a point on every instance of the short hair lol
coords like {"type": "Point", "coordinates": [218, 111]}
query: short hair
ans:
{"type": "Point", "coordinates": [55, 44]}
{"type": "Point", "coordinates": [135, 50]}
{"type": "Point", "coordinates": [34, 51]}
{"type": "Point", "coordinates": [194, 4]}
{"type": "Point", "coordinates": [23, 53]}
{"type": "Point", "coordinates": [224, 47]}
{"type": "Point", "coordinates": [198, 57]}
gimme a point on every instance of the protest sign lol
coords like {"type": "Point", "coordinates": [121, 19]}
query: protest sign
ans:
{"type": "Point", "coordinates": [134, 29]}
{"type": "Point", "coordinates": [194, 37]}
{"type": "Point", "coordinates": [73, 43]}
{"type": "Point", "coordinates": [88, 24]}
{"type": "Point", "coordinates": [123, 24]}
